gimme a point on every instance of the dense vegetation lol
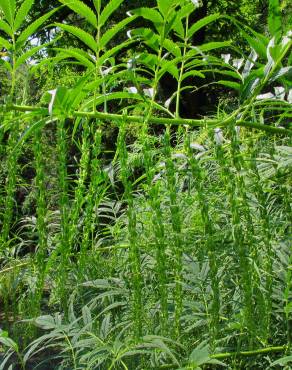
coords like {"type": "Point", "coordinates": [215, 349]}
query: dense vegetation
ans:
{"type": "Point", "coordinates": [145, 182]}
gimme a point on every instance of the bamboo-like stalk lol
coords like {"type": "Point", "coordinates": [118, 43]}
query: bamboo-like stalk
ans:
{"type": "Point", "coordinates": [160, 120]}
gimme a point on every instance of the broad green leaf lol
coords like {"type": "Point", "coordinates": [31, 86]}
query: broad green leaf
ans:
{"type": "Point", "coordinates": [79, 55]}
{"type": "Point", "coordinates": [5, 43]}
{"type": "Point", "coordinates": [109, 34]}
{"type": "Point", "coordinates": [8, 7]}
{"type": "Point", "coordinates": [111, 7]}
{"type": "Point", "coordinates": [202, 23]}
{"type": "Point", "coordinates": [151, 15]}
{"type": "Point", "coordinates": [82, 9]}
{"type": "Point", "coordinates": [22, 13]}
{"type": "Point", "coordinates": [83, 36]}
{"type": "Point", "coordinates": [274, 18]}
{"type": "Point", "coordinates": [4, 26]}
{"type": "Point", "coordinates": [32, 28]}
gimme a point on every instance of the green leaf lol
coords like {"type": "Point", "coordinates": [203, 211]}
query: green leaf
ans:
{"type": "Point", "coordinates": [8, 342]}
{"type": "Point", "coordinates": [150, 38]}
{"type": "Point", "coordinates": [32, 28]}
{"type": "Point", "coordinates": [6, 28]}
{"type": "Point", "coordinates": [172, 47]}
{"type": "Point", "coordinates": [193, 73]}
{"type": "Point", "coordinates": [108, 10]}
{"type": "Point", "coordinates": [30, 130]}
{"type": "Point", "coordinates": [5, 43]}
{"type": "Point", "coordinates": [108, 54]}
{"type": "Point", "coordinates": [83, 36]}
{"type": "Point", "coordinates": [108, 35]}
{"type": "Point", "coordinates": [274, 18]}
{"type": "Point", "coordinates": [164, 6]}
{"type": "Point", "coordinates": [151, 15]}
{"type": "Point", "coordinates": [282, 361]}
{"type": "Point", "coordinates": [46, 322]}
{"type": "Point", "coordinates": [24, 57]}
{"type": "Point", "coordinates": [79, 55]}
{"type": "Point", "coordinates": [22, 13]}
{"type": "Point", "coordinates": [202, 23]}
{"type": "Point", "coordinates": [6, 65]}
{"type": "Point", "coordinates": [8, 7]}
{"type": "Point", "coordinates": [212, 45]}
{"type": "Point", "coordinates": [82, 9]}
{"type": "Point", "coordinates": [233, 85]}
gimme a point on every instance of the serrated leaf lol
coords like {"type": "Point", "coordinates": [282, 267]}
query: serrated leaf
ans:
{"type": "Point", "coordinates": [8, 7]}
{"type": "Point", "coordinates": [4, 26]}
{"type": "Point", "coordinates": [232, 84]}
{"type": "Point", "coordinates": [109, 34]}
{"type": "Point", "coordinates": [151, 15]}
{"type": "Point", "coordinates": [83, 36]}
{"type": "Point", "coordinates": [5, 43]}
{"type": "Point", "coordinates": [82, 9]}
{"type": "Point", "coordinates": [32, 28]}
{"type": "Point", "coordinates": [111, 7]}
{"type": "Point", "coordinates": [109, 53]}
{"type": "Point", "coordinates": [213, 45]}
{"type": "Point", "coordinates": [193, 73]}
{"type": "Point", "coordinates": [172, 47]}
{"type": "Point", "coordinates": [23, 58]}
{"type": "Point", "coordinates": [22, 13]}
{"type": "Point", "coordinates": [164, 6]}
{"type": "Point", "coordinates": [150, 38]}
{"type": "Point", "coordinates": [86, 315]}
{"type": "Point", "coordinates": [6, 65]}
{"type": "Point", "coordinates": [202, 23]}
{"type": "Point", "coordinates": [79, 55]}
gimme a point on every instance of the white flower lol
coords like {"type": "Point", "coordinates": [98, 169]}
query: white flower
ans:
{"type": "Point", "coordinates": [132, 90]}
{"type": "Point", "coordinates": [149, 92]}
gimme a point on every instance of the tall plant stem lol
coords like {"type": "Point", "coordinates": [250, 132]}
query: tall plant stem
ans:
{"type": "Point", "coordinates": [40, 257]}
{"type": "Point", "coordinates": [64, 210]}
{"type": "Point", "coordinates": [176, 224]}
{"type": "Point", "coordinates": [135, 259]}
{"type": "Point", "coordinates": [209, 232]}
